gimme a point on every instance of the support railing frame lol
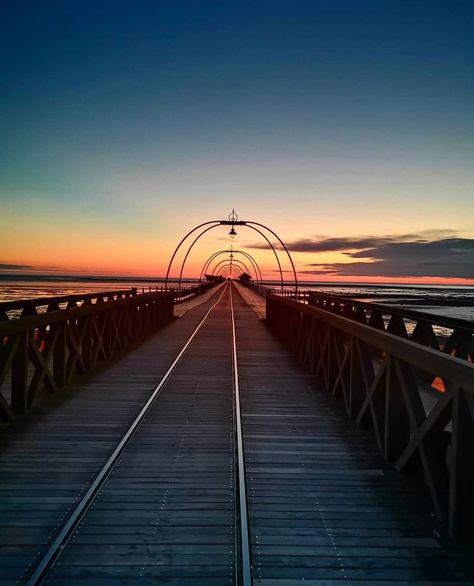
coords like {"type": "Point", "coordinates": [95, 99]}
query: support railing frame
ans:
{"type": "Point", "coordinates": [376, 375]}
{"type": "Point", "coordinates": [48, 349]}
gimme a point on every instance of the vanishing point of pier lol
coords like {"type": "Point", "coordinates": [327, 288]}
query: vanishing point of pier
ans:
{"type": "Point", "coordinates": [232, 434]}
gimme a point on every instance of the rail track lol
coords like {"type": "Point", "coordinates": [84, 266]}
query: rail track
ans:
{"type": "Point", "coordinates": [237, 467]}
{"type": "Point", "coordinates": [240, 567]}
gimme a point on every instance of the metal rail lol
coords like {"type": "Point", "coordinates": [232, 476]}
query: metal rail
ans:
{"type": "Point", "coordinates": [244, 526]}
{"type": "Point", "coordinates": [58, 545]}
{"type": "Point", "coordinates": [49, 559]}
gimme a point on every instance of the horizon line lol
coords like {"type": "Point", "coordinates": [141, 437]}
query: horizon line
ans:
{"type": "Point", "coordinates": [391, 282]}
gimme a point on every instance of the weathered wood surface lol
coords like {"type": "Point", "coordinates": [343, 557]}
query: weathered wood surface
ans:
{"type": "Point", "coordinates": [48, 460]}
{"type": "Point", "coordinates": [167, 512]}
{"type": "Point", "coordinates": [380, 379]}
{"type": "Point", "coordinates": [322, 504]}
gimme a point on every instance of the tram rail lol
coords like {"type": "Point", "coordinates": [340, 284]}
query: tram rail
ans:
{"type": "Point", "coordinates": [243, 573]}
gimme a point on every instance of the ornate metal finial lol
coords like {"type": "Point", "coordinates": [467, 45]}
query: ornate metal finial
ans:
{"type": "Point", "coordinates": [233, 217]}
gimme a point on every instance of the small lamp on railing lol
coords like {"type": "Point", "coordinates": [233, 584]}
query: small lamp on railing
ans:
{"type": "Point", "coordinates": [232, 232]}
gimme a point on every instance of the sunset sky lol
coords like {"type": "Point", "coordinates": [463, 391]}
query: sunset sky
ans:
{"type": "Point", "coordinates": [346, 126]}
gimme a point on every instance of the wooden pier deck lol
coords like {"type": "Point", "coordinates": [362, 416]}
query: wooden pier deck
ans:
{"type": "Point", "coordinates": [323, 507]}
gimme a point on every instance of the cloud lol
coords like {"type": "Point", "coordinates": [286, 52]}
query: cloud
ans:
{"type": "Point", "coordinates": [440, 253]}
{"type": "Point", "coordinates": [323, 244]}
{"type": "Point", "coordinates": [446, 257]}
{"type": "Point", "coordinates": [10, 267]}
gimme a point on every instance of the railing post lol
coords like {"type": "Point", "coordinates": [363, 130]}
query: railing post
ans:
{"type": "Point", "coordinates": [396, 428]}
{"type": "Point", "coordinates": [59, 356]}
{"type": "Point", "coordinates": [20, 375]}
{"type": "Point", "coordinates": [356, 381]}
{"type": "Point", "coordinates": [86, 349]}
{"type": "Point", "coordinates": [461, 478]}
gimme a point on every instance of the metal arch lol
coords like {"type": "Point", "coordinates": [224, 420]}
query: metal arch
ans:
{"type": "Point", "coordinates": [199, 236]}
{"type": "Point", "coordinates": [208, 260]}
{"type": "Point", "coordinates": [237, 263]}
{"type": "Point", "coordinates": [234, 260]}
{"type": "Point", "coordinates": [236, 223]}
{"type": "Point", "coordinates": [205, 266]}
{"type": "Point", "coordinates": [215, 222]}
{"type": "Point", "coordinates": [284, 246]}
{"type": "Point", "coordinates": [217, 269]}
{"type": "Point", "coordinates": [255, 266]}
{"type": "Point", "coordinates": [231, 268]}
{"type": "Point", "coordinates": [222, 270]}
{"type": "Point", "coordinates": [188, 251]}
{"type": "Point", "coordinates": [274, 252]}
{"type": "Point", "coordinates": [224, 223]}
{"type": "Point", "coordinates": [229, 272]}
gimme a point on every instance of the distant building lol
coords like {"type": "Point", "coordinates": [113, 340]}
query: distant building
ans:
{"type": "Point", "coordinates": [245, 277]}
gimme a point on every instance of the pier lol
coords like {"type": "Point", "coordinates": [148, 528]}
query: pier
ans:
{"type": "Point", "coordinates": [220, 448]}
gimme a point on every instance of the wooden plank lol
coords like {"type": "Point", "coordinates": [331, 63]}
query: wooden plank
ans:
{"type": "Point", "coordinates": [323, 508]}
{"type": "Point", "coordinates": [55, 452]}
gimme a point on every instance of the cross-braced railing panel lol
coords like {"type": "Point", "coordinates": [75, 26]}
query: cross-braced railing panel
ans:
{"type": "Point", "coordinates": [381, 379]}
{"type": "Point", "coordinates": [449, 335]}
{"type": "Point", "coordinates": [46, 350]}
{"type": "Point", "coordinates": [29, 307]}
{"type": "Point", "coordinates": [184, 294]}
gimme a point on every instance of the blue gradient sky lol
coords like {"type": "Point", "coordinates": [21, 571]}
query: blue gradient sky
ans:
{"type": "Point", "coordinates": [123, 123]}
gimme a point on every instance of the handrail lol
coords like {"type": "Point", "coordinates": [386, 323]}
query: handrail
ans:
{"type": "Point", "coordinates": [182, 295]}
{"type": "Point", "coordinates": [29, 306]}
{"type": "Point", "coordinates": [380, 378]}
{"type": "Point", "coordinates": [47, 349]}
{"type": "Point", "coordinates": [443, 321]}
{"type": "Point", "coordinates": [423, 326]}
{"type": "Point", "coordinates": [460, 342]}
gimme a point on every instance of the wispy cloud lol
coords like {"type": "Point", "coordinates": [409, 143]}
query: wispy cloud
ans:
{"type": "Point", "coordinates": [447, 257]}
{"type": "Point", "coordinates": [431, 253]}
{"type": "Point", "coordinates": [324, 244]}
{"type": "Point", "coordinates": [10, 267]}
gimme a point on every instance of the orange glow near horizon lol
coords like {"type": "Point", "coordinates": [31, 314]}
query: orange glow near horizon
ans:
{"type": "Point", "coordinates": [193, 270]}
{"type": "Point", "coordinates": [134, 252]}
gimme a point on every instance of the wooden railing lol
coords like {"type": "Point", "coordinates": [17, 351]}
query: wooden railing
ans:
{"type": "Point", "coordinates": [184, 294]}
{"type": "Point", "coordinates": [47, 349]}
{"type": "Point", "coordinates": [28, 307]}
{"type": "Point", "coordinates": [264, 290]}
{"type": "Point", "coordinates": [449, 335]}
{"type": "Point", "coordinates": [377, 377]}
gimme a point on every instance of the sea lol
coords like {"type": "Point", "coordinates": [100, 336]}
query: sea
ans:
{"type": "Point", "coordinates": [447, 301]}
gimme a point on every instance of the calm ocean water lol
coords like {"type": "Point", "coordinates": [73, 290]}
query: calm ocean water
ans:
{"type": "Point", "coordinates": [11, 290]}
{"type": "Point", "coordinates": [453, 301]}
